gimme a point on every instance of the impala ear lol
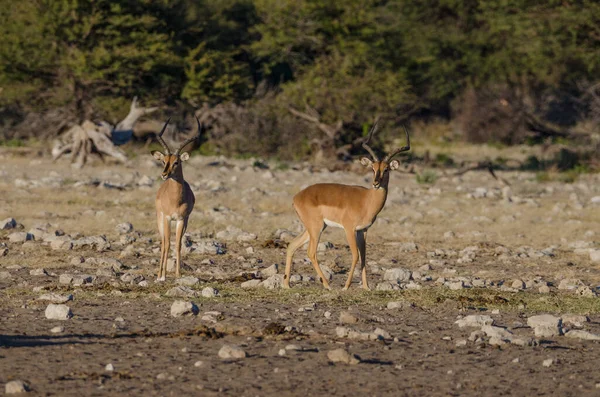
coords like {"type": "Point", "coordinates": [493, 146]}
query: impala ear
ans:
{"type": "Point", "coordinates": [158, 155]}
{"type": "Point", "coordinates": [184, 156]}
{"type": "Point", "coordinates": [366, 162]}
{"type": "Point", "coordinates": [394, 165]}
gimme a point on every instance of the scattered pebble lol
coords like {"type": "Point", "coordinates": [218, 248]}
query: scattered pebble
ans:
{"type": "Point", "coordinates": [231, 352]}
{"type": "Point", "coordinates": [342, 356]}
{"type": "Point", "coordinates": [58, 312]}
{"type": "Point", "coordinates": [184, 308]}
{"type": "Point", "coordinates": [15, 387]}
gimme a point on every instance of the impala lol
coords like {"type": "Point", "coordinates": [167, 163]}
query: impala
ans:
{"type": "Point", "coordinates": [353, 208]}
{"type": "Point", "coordinates": [174, 200]}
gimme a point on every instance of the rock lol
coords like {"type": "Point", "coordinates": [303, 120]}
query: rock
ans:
{"type": "Point", "coordinates": [387, 286]}
{"type": "Point", "coordinates": [19, 237]}
{"type": "Point", "coordinates": [145, 181]}
{"type": "Point", "coordinates": [234, 233]}
{"type": "Point", "coordinates": [198, 364]}
{"type": "Point", "coordinates": [8, 223]}
{"type": "Point", "coordinates": [109, 367]}
{"type": "Point", "coordinates": [270, 271]}
{"type": "Point", "coordinates": [547, 363]}
{"type": "Point", "coordinates": [62, 243]}
{"type": "Point", "coordinates": [100, 243]}
{"type": "Point", "coordinates": [130, 278]}
{"type": "Point", "coordinates": [397, 305]}
{"type": "Point", "coordinates": [251, 283]}
{"type": "Point", "coordinates": [275, 281]}
{"type": "Point", "coordinates": [187, 281]}
{"type": "Point", "coordinates": [397, 274]}
{"type": "Point", "coordinates": [57, 330]}
{"type": "Point", "coordinates": [545, 325]}
{"type": "Point", "coordinates": [58, 312]}
{"type": "Point", "coordinates": [53, 297]}
{"type": "Point", "coordinates": [38, 272]}
{"type": "Point", "coordinates": [210, 292]}
{"type": "Point", "coordinates": [5, 276]}
{"type": "Point", "coordinates": [579, 334]}
{"type": "Point", "coordinates": [124, 228]}
{"type": "Point", "coordinates": [544, 289]}
{"type": "Point", "coordinates": [184, 308]}
{"type": "Point", "coordinates": [456, 285]}
{"type": "Point", "coordinates": [574, 320]}
{"type": "Point", "coordinates": [408, 247]}
{"type": "Point", "coordinates": [228, 352]}
{"type": "Point", "coordinates": [595, 255]}
{"type": "Point", "coordinates": [498, 333]}
{"type": "Point", "coordinates": [181, 291]}
{"type": "Point", "coordinates": [518, 284]}
{"type": "Point", "coordinates": [15, 387]}
{"type": "Point", "coordinates": [474, 320]}
{"type": "Point", "coordinates": [348, 318]}
{"type": "Point", "coordinates": [113, 263]}
{"type": "Point", "coordinates": [586, 291]}
{"type": "Point", "coordinates": [570, 284]}
{"type": "Point", "coordinates": [342, 356]}
{"type": "Point", "coordinates": [595, 200]}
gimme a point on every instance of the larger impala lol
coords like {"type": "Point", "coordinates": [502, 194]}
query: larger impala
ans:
{"type": "Point", "coordinates": [174, 200]}
{"type": "Point", "coordinates": [353, 208]}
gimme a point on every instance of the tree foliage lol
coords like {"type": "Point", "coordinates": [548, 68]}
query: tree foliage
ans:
{"type": "Point", "coordinates": [350, 60]}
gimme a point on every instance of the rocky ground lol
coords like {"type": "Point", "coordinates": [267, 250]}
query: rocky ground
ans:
{"type": "Point", "coordinates": [479, 288]}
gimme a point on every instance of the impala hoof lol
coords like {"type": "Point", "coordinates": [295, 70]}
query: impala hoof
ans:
{"type": "Point", "coordinates": [161, 279]}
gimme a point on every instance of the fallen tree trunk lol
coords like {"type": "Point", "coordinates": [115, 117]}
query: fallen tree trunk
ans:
{"type": "Point", "coordinates": [90, 138]}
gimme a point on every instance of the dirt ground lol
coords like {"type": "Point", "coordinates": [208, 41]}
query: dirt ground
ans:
{"type": "Point", "coordinates": [480, 247]}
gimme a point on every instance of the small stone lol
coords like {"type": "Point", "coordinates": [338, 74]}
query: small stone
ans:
{"type": "Point", "coordinates": [575, 320]}
{"type": "Point", "coordinates": [184, 308]}
{"type": "Point", "coordinates": [569, 284]}
{"type": "Point", "coordinates": [58, 312]}
{"type": "Point", "coordinates": [38, 272]}
{"type": "Point", "coordinates": [124, 228]}
{"type": "Point", "coordinates": [210, 292]}
{"type": "Point", "coordinates": [270, 271]}
{"type": "Point", "coordinates": [397, 305]}
{"type": "Point", "coordinates": [474, 320]}
{"type": "Point", "coordinates": [342, 356]}
{"type": "Point", "coordinates": [15, 387]}
{"type": "Point", "coordinates": [348, 318]}
{"type": "Point", "coordinates": [456, 285]}
{"type": "Point", "coordinates": [461, 343]}
{"type": "Point", "coordinates": [19, 237]}
{"type": "Point", "coordinates": [231, 352]}
{"type": "Point", "coordinates": [53, 297]}
{"type": "Point", "coordinates": [595, 255]}
{"type": "Point", "coordinates": [518, 284]}
{"type": "Point", "coordinates": [281, 352]}
{"type": "Point", "coordinates": [181, 291]}
{"type": "Point", "coordinates": [188, 281]}
{"type": "Point", "coordinates": [198, 364]}
{"type": "Point", "coordinates": [275, 281]}
{"type": "Point", "coordinates": [545, 325]}
{"type": "Point", "coordinates": [579, 334]}
{"type": "Point", "coordinates": [57, 330]}
{"type": "Point", "coordinates": [251, 283]}
{"type": "Point", "coordinates": [548, 362]}
{"type": "Point", "coordinates": [516, 360]}
{"type": "Point", "coordinates": [397, 274]}
{"type": "Point", "coordinates": [109, 367]}
{"type": "Point", "coordinates": [8, 223]}
{"type": "Point", "coordinates": [544, 289]}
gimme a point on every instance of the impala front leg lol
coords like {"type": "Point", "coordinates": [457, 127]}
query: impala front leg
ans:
{"type": "Point", "coordinates": [351, 236]}
{"type": "Point", "coordinates": [361, 239]}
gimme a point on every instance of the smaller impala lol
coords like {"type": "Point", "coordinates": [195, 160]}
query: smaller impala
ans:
{"type": "Point", "coordinates": [174, 200]}
{"type": "Point", "coordinates": [353, 208]}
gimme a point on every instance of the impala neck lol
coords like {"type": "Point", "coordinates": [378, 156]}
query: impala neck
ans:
{"type": "Point", "coordinates": [379, 194]}
{"type": "Point", "coordinates": [177, 175]}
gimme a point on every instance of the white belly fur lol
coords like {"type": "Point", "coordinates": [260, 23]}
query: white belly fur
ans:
{"type": "Point", "coordinates": [332, 223]}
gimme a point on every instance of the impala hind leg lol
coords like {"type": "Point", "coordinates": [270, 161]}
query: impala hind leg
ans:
{"type": "Point", "coordinates": [179, 231]}
{"type": "Point", "coordinates": [161, 232]}
{"type": "Point", "coordinates": [312, 253]}
{"type": "Point", "coordinates": [361, 239]}
{"type": "Point", "coordinates": [291, 249]}
{"type": "Point", "coordinates": [351, 237]}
